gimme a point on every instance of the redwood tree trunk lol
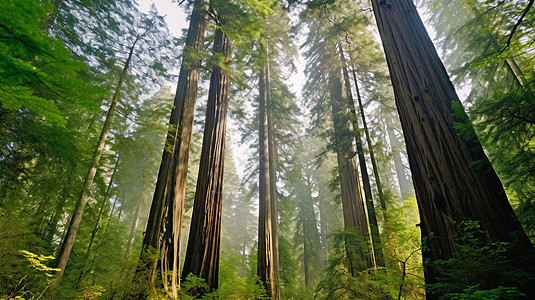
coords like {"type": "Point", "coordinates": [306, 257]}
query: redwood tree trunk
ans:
{"type": "Point", "coordinates": [352, 202]}
{"type": "Point", "coordinates": [165, 218]}
{"type": "Point", "coordinates": [202, 256]}
{"type": "Point", "coordinates": [266, 239]}
{"type": "Point", "coordinates": [372, 217]}
{"type": "Point", "coordinates": [272, 182]}
{"type": "Point", "coordinates": [448, 185]}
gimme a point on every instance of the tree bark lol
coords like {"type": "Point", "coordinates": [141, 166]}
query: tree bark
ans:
{"type": "Point", "coordinates": [202, 256]}
{"type": "Point", "coordinates": [375, 169]}
{"type": "Point", "coordinates": [448, 185]}
{"type": "Point", "coordinates": [352, 202]}
{"type": "Point", "coordinates": [266, 237]}
{"type": "Point", "coordinates": [165, 218]}
{"type": "Point", "coordinates": [372, 217]}
{"type": "Point", "coordinates": [74, 224]}
{"type": "Point", "coordinates": [272, 180]}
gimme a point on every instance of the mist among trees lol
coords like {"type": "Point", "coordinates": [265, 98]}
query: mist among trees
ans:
{"type": "Point", "coordinates": [300, 149]}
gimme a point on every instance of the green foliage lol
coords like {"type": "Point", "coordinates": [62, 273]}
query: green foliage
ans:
{"type": "Point", "coordinates": [91, 292]}
{"type": "Point", "coordinates": [504, 125]}
{"type": "Point", "coordinates": [23, 273]}
{"type": "Point", "coordinates": [478, 267]}
{"type": "Point", "coordinates": [473, 292]}
{"type": "Point", "coordinates": [340, 282]}
{"type": "Point", "coordinates": [36, 70]}
{"type": "Point", "coordinates": [38, 262]}
{"type": "Point", "coordinates": [239, 288]}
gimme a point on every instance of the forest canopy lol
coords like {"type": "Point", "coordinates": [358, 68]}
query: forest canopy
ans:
{"type": "Point", "coordinates": [311, 149]}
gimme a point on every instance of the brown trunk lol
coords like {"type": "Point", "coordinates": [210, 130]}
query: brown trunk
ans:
{"type": "Point", "coordinates": [165, 218]}
{"type": "Point", "coordinates": [72, 230]}
{"type": "Point", "coordinates": [448, 186]}
{"type": "Point", "coordinates": [380, 193]}
{"type": "Point", "coordinates": [202, 255]}
{"type": "Point", "coordinates": [272, 183]}
{"type": "Point", "coordinates": [266, 251]}
{"type": "Point", "coordinates": [372, 218]}
{"type": "Point", "coordinates": [352, 202]}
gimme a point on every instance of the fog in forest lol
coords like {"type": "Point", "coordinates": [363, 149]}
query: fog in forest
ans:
{"type": "Point", "coordinates": [199, 149]}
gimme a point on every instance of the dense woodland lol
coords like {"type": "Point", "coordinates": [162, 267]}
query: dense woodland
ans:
{"type": "Point", "coordinates": [139, 163]}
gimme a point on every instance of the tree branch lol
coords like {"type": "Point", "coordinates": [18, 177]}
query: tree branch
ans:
{"type": "Point", "coordinates": [526, 10]}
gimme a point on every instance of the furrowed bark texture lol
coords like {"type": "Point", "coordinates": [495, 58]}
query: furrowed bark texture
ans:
{"type": "Point", "coordinates": [202, 256]}
{"type": "Point", "coordinates": [352, 202]}
{"type": "Point", "coordinates": [74, 224]}
{"type": "Point", "coordinates": [266, 251]}
{"type": "Point", "coordinates": [447, 184]}
{"type": "Point", "coordinates": [372, 218]}
{"type": "Point", "coordinates": [165, 218]}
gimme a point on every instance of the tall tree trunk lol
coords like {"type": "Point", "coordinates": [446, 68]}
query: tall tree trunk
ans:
{"type": "Point", "coordinates": [352, 202]}
{"type": "Point", "coordinates": [272, 180]}
{"type": "Point", "coordinates": [403, 182]}
{"type": "Point", "coordinates": [72, 230]}
{"type": "Point", "coordinates": [305, 255]}
{"type": "Point", "coordinates": [165, 218]}
{"type": "Point", "coordinates": [105, 201]}
{"type": "Point", "coordinates": [324, 230]}
{"type": "Point", "coordinates": [202, 255]}
{"type": "Point", "coordinates": [448, 186]}
{"type": "Point", "coordinates": [375, 169]}
{"type": "Point", "coordinates": [372, 217]}
{"type": "Point", "coordinates": [133, 230]}
{"type": "Point", "coordinates": [266, 238]}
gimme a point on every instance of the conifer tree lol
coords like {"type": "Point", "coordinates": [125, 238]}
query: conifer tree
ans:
{"type": "Point", "coordinates": [448, 185]}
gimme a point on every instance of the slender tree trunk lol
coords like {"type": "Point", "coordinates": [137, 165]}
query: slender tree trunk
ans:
{"type": "Point", "coordinates": [372, 218]}
{"type": "Point", "coordinates": [72, 230]}
{"type": "Point", "coordinates": [105, 201]}
{"type": "Point", "coordinates": [202, 255]}
{"type": "Point", "coordinates": [310, 233]}
{"type": "Point", "coordinates": [324, 231]}
{"type": "Point", "coordinates": [272, 181]}
{"type": "Point", "coordinates": [352, 202]}
{"type": "Point", "coordinates": [266, 237]}
{"type": "Point", "coordinates": [165, 218]}
{"type": "Point", "coordinates": [382, 199]}
{"type": "Point", "coordinates": [448, 186]}
{"type": "Point", "coordinates": [305, 255]}
{"type": "Point", "coordinates": [133, 230]}
{"type": "Point", "coordinates": [403, 182]}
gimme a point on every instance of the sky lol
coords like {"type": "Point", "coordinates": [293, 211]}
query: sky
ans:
{"type": "Point", "coordinates": [174, 15]}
